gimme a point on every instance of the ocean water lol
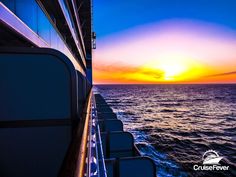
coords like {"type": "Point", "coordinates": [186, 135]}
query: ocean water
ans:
{"type": "Point", "coordinates": [176, 124]}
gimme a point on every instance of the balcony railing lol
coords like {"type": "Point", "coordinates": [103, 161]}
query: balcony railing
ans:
{"type": "Point", "coordinates": [91, 160]}
{"type": "Point", "coordinates": [70, 22]}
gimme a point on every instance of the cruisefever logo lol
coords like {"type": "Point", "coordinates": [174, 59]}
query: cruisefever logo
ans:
{"type": "Point", "coordinates": [210, 162]}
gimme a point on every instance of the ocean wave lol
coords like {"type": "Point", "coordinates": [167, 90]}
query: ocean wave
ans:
{"type": "Point", "coordinates": [170, 104]}
{"type": "Point", "coordinates": [175, 125]}
{"type": "Point", "coordinates": [168, 110]}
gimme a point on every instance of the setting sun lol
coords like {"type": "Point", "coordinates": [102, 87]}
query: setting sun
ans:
{"type": "Point", "coordinates": [172, 71]}
{"type": "Point", "coordinates": [177, 52]}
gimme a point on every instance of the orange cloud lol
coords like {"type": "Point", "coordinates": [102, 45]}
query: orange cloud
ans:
{"type": "Point", "coordinates": [120, 73]}
{"type": "Point", "coordinates": [167, 52]}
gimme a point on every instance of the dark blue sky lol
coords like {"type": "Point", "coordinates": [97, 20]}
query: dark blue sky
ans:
{"type": "Point", "coordinates": [111, 16]}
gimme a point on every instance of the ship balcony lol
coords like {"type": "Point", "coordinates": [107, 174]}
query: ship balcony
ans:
{"type": "Point", "coordinates": [53, 125]}
{"type": "Point", "coordinates": [32, 25]}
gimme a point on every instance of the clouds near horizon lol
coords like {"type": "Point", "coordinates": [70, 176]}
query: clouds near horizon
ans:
{"type": "Point", "coordinates": [176, 50]}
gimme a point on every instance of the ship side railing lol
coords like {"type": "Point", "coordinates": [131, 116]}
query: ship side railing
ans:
{"type": "Point", "coordinates": [90, 161]}
{"type": "Point", "coordinates": [82, 154]}
{"type": "Point", "coordinates": [100, 155]}
{"type": "Point", "coordinates": [121, 155]}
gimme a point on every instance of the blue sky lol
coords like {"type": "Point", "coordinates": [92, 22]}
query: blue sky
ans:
{"type": "Point", "coordinates": [112, 16]}
{"type": "Point", "coordinates": [165, 41]}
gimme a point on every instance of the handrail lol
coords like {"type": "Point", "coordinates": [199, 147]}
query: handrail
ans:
{"type": "Point", "coordinates": [95, 162]}
{"type": "Point", "coordinates": [91, 144]}
{"type": "Point", "coordinates": [100, 142]}
{"type": "Point", "coordinates": [92, 155]}
{"type": "Point", "coordinates": [89, 154]}
{"type": "Point", "coordinates": [81, 161]}
{"type": "Point", "coordinates": [104, 171]}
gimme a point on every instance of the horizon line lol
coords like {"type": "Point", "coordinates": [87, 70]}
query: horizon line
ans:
{"type": "Point", "coordinates": [233, 83]}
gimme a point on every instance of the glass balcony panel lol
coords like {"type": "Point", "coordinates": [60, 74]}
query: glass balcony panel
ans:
{"type": "Point", "coordinates": [43, 26]}
{"type": "Point", "coordinates": [10, 4]}
{"type": "Point", "coordinates": [26, 10]}
{"type": "Point", "coordinates": [29, 12]}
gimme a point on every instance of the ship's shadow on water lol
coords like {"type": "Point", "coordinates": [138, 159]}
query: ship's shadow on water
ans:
{"type": "Point", "coordinates": [176, 124]}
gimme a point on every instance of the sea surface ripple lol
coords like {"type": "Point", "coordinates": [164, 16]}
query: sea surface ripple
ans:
{"type": "Point", "coordinates": [176, 124]}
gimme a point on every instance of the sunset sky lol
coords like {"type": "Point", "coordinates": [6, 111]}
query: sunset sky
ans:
{"type": "Point", "coordinates": [165, 41]}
